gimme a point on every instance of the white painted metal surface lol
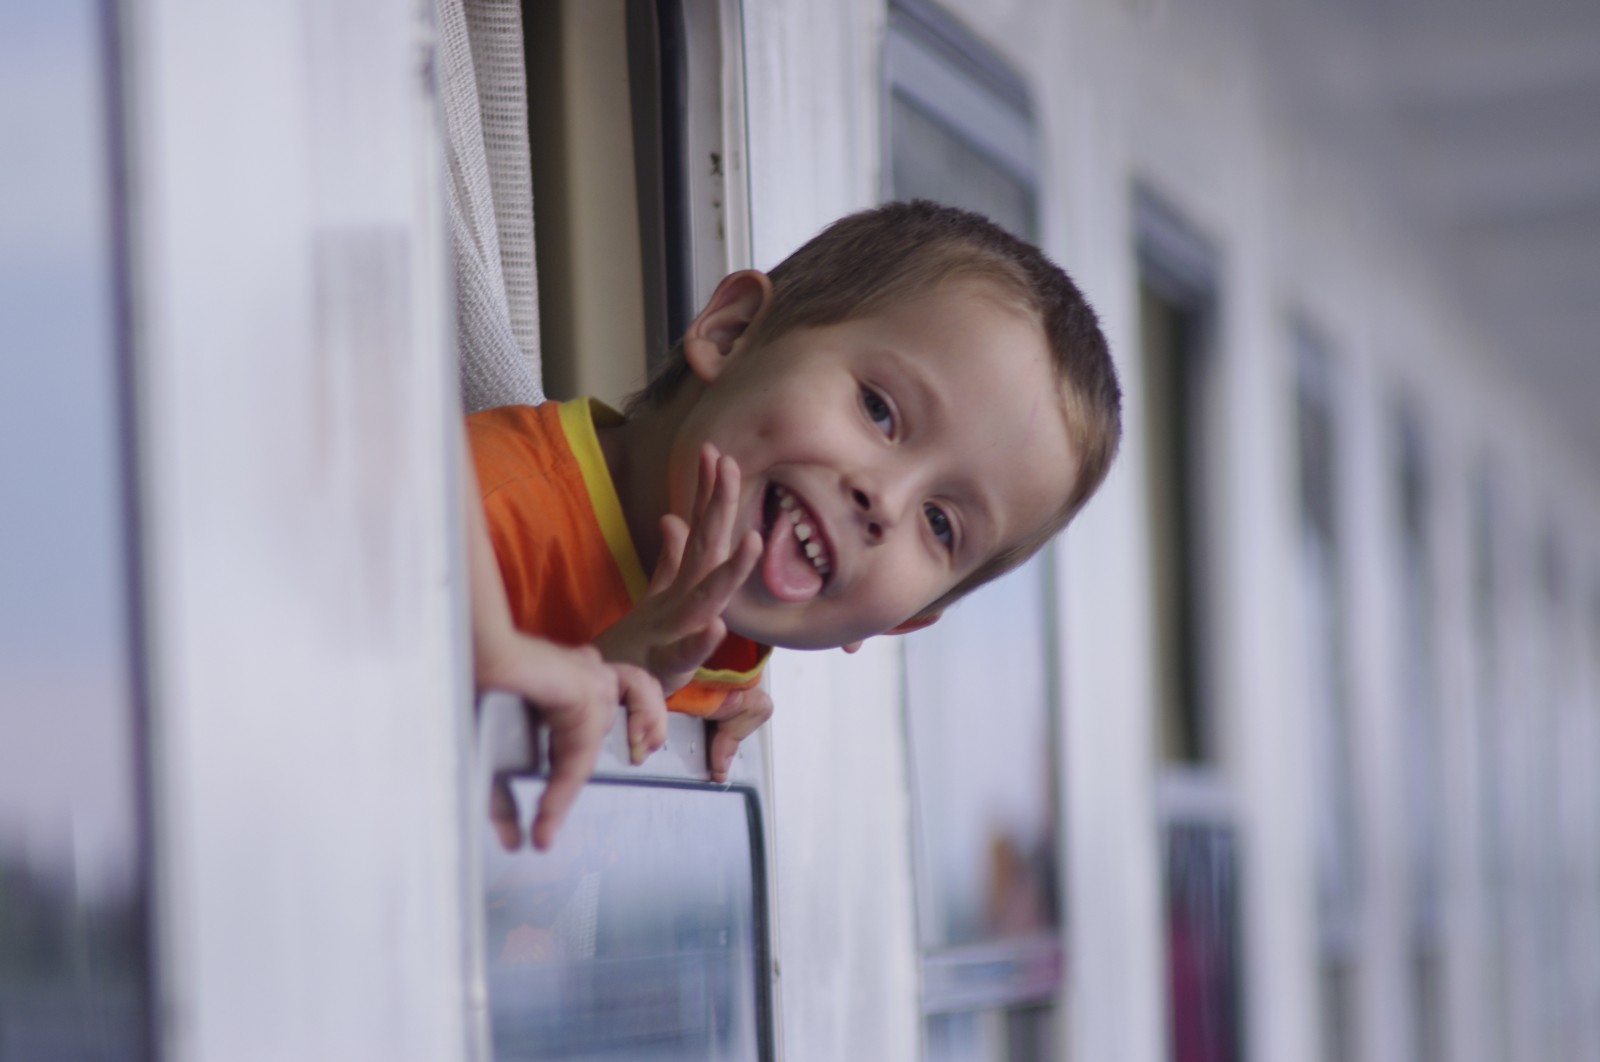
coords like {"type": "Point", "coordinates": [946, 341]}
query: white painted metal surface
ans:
{"type": "Point", "coordinates": [296, 414]}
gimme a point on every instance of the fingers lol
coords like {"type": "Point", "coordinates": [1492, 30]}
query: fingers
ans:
{"type": "Point", "coordinates": [705, 482]}
{"type": "Point", "coordinates": [647, 711]}
{"type": "Point", "coordinates": [747, 709]}
{"type": "Point", "coordinates": [572, 758]}
{"type": "Point", "coordinates": [503, 815]}
{"type": "Point", "coordinates": [710, 538]}
{"type": "Point", "coordinates": [709, 599]}
{"type": "Point", "coordinates": [674, 536]}
{"type": "Point", "coordinates": [678, 660]}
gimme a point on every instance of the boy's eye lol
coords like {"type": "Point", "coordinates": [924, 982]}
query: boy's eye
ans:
{"type": "Point", "coordinates": [878, 410]}
{"type": "Point", "coordinates": [940, 525]}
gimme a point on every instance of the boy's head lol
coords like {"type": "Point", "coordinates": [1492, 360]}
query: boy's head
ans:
{"type": "Point", "coordinates": [917, 401]}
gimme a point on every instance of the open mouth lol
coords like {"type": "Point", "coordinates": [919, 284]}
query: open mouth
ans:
{"type": "Point", "coordinates": [797, 562]}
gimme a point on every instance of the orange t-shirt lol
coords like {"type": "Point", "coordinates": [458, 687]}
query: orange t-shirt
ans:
{"type": "Point", "coordinates": [569, 565]}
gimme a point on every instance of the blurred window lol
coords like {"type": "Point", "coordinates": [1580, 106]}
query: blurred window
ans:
{"type": "Point", "coordinates": [1178, 302]}
{"type": "Point", "coordinates": [1422, 736]}
{"type": "Point", "coordinates": [638, 936]}
{"type": "Point", "coordinates": [1322, 577]}
{"type": "Point", "coordinates": [1494, 808]}
{"type": "Point", "coordinates": [1170, 328]}
{"type": "Point", "coordinates": [75, 966]}
{"type": "Point", "coordinates": [960, 130]}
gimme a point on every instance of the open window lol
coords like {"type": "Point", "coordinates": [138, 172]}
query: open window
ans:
{"type": "Point", "coordinates": [639, 202]}
{"type": "Point", "coordinates": [643, 932]}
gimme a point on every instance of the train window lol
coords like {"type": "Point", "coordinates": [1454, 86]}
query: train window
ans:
{"type": "Point", "coordinates": [1177, 309]}
{"type": "Point", "coordinates": [642, 934]}
{"type": "Point", "coordinates": [75, 961]}
{"type": "Point", "coordinates": [960, 124]}
{"type": "Point", "coordinates": [1176, 306]}
{"type": "Point", "coordinates": [1322, 582]}
{"type": "Point", "coordinates": [1422, 736]}
{"type": "Point", "coordinates": [638, 935]}
{"type": "Point", "coordinates": [959, 129]}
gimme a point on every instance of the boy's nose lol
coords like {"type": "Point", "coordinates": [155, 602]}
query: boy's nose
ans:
{"type": "Point", "coordinates": [872, 512]}
{"type": "Point", "coordinates": [864, 503]}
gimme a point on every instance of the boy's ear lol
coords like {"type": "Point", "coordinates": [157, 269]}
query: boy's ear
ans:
{"type": "Point", "coordinates": [739, 301]}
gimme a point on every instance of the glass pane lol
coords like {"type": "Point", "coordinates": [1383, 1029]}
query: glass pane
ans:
{"type": "Point", "coordinates": [929, 161]}
{"type": "Point", "coordinates": [1203, 943]}
{"type": "Point", "coordinates": [1030, 1035]}
{"type": "Point", "coordinates": [978, 707]}
{"type": "Point", "coordinates": [74, 960]}
{"type": "Point", "coordinates": [1018, 1034]}
{"type": "Point", "coordinates": [1170, 357]}
{"type": "Point", "coordinates": [635, 937]}
{"type": "Point", "coordinates": [974, 1036]}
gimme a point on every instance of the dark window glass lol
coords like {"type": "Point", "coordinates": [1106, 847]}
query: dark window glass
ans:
{"type": "Point", "coordinates": [1170, 332]}
{"type": "Point", "coordinates": [1203, 942]}
{"type": "Point", "coordinates": [636, 936]}
{"type": "Point", "coordinates": [74, 956]}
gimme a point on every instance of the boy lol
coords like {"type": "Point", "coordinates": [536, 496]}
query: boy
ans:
{"type": "Point", "coordinates": [908, 406]}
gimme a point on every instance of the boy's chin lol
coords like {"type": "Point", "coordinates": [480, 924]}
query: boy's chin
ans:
{"type": "Point", "coordinates": [760, 625]}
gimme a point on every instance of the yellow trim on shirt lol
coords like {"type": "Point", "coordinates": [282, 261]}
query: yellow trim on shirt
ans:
{"type": "Point", "coordinates": [578, 420]}
{"type": "Point", "coordinates": [726, 677]}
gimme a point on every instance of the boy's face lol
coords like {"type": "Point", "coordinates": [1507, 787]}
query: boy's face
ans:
{"type": "Point", "coordinates": [883, 459]}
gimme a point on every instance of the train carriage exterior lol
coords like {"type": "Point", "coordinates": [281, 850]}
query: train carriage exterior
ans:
{"type": "Point", "coordinates": [1284, 751]}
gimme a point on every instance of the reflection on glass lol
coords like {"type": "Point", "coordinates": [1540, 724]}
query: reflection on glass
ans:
{"type": "Point", "coordinates": [1017, 1034]}
{"type": "Point", "coordinates": [635, 936]}
{"type": "Point", "coordinates": [931, 162]}
{"type": "Point", "coordinates": [73, 953]}
{"type": "Point", "coordinates": [1203, 943]}
{"type": "Point", "coordinates": [978, 708]}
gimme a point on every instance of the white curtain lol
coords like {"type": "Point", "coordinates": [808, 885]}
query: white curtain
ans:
{"type": "Point", "coordinates": [483, 86]}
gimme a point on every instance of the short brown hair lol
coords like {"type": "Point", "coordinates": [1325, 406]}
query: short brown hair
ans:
{"type": "Point", "coordinates": [897, 251]}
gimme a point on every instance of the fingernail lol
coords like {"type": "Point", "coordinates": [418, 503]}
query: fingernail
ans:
{"type": "Point", "coordinates": [636, 752]}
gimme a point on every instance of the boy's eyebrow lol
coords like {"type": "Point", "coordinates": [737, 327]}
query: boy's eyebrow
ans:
{"type": "Point", "coordinates": [927, 396]}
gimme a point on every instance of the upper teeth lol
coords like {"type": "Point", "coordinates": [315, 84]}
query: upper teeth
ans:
{"type": "Point", "coordinates": [803, 531]}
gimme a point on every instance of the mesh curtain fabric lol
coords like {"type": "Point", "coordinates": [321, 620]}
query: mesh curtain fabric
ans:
{"type": "Point", "coordinates": [483, 92]}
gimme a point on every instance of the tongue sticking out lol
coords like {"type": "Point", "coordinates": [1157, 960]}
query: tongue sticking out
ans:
{"type": "Point", "coordinates": [785, 568]}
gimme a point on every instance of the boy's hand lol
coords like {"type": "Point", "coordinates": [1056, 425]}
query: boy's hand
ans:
{"type": "Point", "coordinates": [576, 694]}
{"type": "Point", "coordinates": [739, 717]}
{"type": "Point", "coordinates": [678, 623]}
